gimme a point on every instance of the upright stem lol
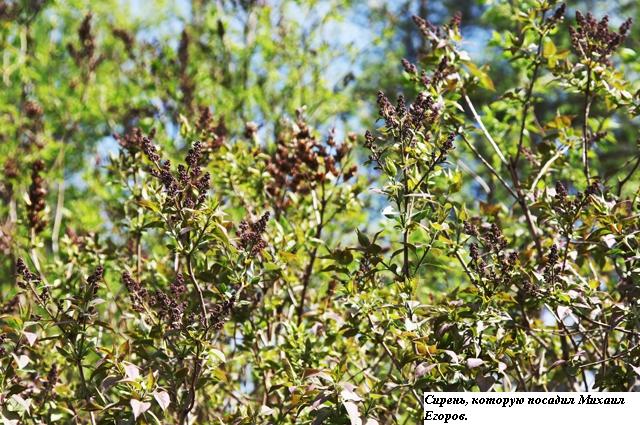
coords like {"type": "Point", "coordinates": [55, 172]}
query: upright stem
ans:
{"type": "Point", "coordinates": [57, 221]}
{"type": "Point", "coordinates": [585, 128]}
{"type": "Point", "coordinates": [407, 213]}
{"type": "Point", "coordinates": [519, 194]}
{"type": "Point", "coordinates": [527, 99]}
{"type": "Point", "coordinates": [191, 400]}
{"type": "Point", "coordinates": [513, 165]}
{"type": "Point", "coordinates": [306, 278]}
{"type": "Point", "coordinates": [203, 307]}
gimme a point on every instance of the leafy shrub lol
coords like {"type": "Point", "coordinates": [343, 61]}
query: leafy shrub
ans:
{"type": "Point", "coordinates": [216, 271]}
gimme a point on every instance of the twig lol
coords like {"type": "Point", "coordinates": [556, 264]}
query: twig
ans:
{"type": "Point", "coordinates": [614, 357]}
{"type": "Point", "coordinates": [203, 307]}
{"type": "Point", "coordinates": [628, 176]}
{"type": "Point", "coordinates": [489, 166]}
{"type": "Point", "coordinates": [585, 127]}
{"type": "Point", "coordinates": [55, 233]}
{"type": "Point", "coordinates": [197, 365]}
{"type": "Point", "coordinates": [484, 130]}
{"type": "Point", "coordinates": [527, 99]}
{"type": "Point", "coordinates": [309, 269]}
{"type": "Point", "coordinates": [546, 166]}
{"type": "Point", "coordinates": [395, 362]}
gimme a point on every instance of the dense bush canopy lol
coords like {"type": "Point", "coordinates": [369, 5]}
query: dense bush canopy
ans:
{"type": "Point", "coordinates": [209, 216]}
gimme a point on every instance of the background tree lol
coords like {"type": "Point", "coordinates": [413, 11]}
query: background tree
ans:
{"type": "Point", "coordinates": [196, 228]}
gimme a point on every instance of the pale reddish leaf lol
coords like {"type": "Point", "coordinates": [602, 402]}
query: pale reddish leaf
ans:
{"type": "Point", "coordinates": [139, 407]}
{"type": "Point", "coordinates": [352, 411]}
{"type": "Point", "coordinates": [265, 410]}
{"type": "Point", "coordinates": [131, 371]}
{"type": "Point", "coordinates": [21, 361]}
{"type": "Point", "coordinates": [348, 392]}
{"type": "Point", "coordinates": [474, 362]}
{"type": "Point", "coordinates": [422, 369]}
{"type": "Point", "coordinates": [163, 399]}
{"type": "Point", "coordinates": [31, 337]}
{"type": "Point", "coordinates": [563, 312]}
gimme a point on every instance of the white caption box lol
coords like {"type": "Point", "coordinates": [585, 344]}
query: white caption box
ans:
{"type": "Point", "coordinates": [530, 408]}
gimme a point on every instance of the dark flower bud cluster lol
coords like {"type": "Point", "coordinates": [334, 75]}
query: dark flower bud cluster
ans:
{"type": "Point", "coordinates": [178, 287]}
{"type": "Point", "coordinates": [437, 34]}
{"type": "Point", "coordinates": [188, 187]}
{"type": "Point", "coordinates": [568, 207]}
{"type": "Point", "coordinates": [94, 279]}
{"type": "Point", "coordinates": [212, 134]}
{"type": "Point", "coordinates": [3, 340]}
{"type": "Point", "coordinates": [32, 109]}
{"type": "Point", "coordinates": [23, 270]}
{"type": "Point", "coordinates": [301, 162]}
{"type": "Point", "coordinates": [404, 122]}
{"type": "Point", "coordinates": [387, 111]}
{"type": "Point", "coordinates": [37, 195]}
{"type": "Point", "coordinates": [470, 229]}
{"type": "Point", "coordinates": [250, 235]}
{"type": "Point", "coordinates": [491, 246]}
{"type": "Point", "coordinates": [169, 309]}
{"type": "Point", "coordinates": [135, 141]}
{"type": "Point", "coordinates": [250, 129]}
{"type": "Point", "coordinates": [31, 129]}
{"type": "Point", "coordinates": [220, 313]}
{"type": "Point", "coordinates": [187, 85]}
{"type": "Point", "coordinates": [550, 266]}
{"type": "Point", "coordinates": [86, 53]}
{"type": "Point", "coordinates": [593, 40]}
{"type": "Point", "coordinates": [493, 238]}
{"type": "Point", "coordinates": [447, 144]}
{"type": "Point", "coordinates": [11, 168]}
{"type": "Point", "coordinates": [163, 173]}
{"type": "Point", "coordinates": [440, 74]}
{"type": "Point", "coordinates": [561, 192]}
{"type": "Point", "coordinates": [27, 275]}
{"type": "Point", "coordinates": [408, 119]}
{"type": "Point", "coordinates": [194, 155]}
{"type": "Point", "coordinates": [409, 68]}
{"type": "Point", "coordinates": [137, 293]}
{"type": "Point", "coordinates": [474, 253]}
{"type": "Point", "coordinates": [558, 15]}
{"type": "Point", "coordinates": [126, 37]}
{"type": "Point", "coordinates": [52, 380]}
{"type": "Point", "coordinates": [6, 239]}
{"type": "Point", "coordinates": [196, 184]}
{"type": "Point", "coordinates": [10, 305]}
{"type": "Point", "coordinates": [370, 143]}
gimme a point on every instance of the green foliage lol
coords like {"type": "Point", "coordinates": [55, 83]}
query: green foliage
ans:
{"type": "Point", "coordinates": [186, 237]}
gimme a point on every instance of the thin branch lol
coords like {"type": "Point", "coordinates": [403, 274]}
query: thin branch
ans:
{"type": "Point", "coordinates": [484, 130]}
{"type": "Point", "coordinates": [585, 128]}
{"type": "Point", "coordinates": [203, 307]}
{"type": "Point", "coordinates": [622, 182]}
{"type": "Point", "coordinates": [527, 99]}
{"type": "Point", "coordinates": [607, 359]}
{"type": "Point", "coordinates": [55, 233]}
{"type": "Point", "coordinates": [489, 166]}
{"type": "Point", "coordinates": [546, 167]}
{"type": "Point", "coordinates": [306, 279]}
